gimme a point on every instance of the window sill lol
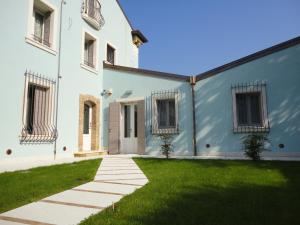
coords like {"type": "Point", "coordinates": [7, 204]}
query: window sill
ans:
{"type": "Point", "coordinates": [40, 46]}
{"type": "Point", "coordinates": [88, 68]}
{"type": "Point", "coordinates": [91, 21]}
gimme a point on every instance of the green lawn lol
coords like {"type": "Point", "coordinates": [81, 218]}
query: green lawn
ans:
{"type": "Point", "coordinates": [208, 192]}
{"type": "Point", "coordinates": [22, 187]}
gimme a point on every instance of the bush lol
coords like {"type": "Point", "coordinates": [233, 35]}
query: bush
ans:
{"type": "Point", "coordinates": [254, 144]}
{"type": "Point", "coordinates": [166, 147]}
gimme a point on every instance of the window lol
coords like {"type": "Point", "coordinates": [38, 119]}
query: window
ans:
{"type": "Point", "coordinates": [165, 112]}
{"type": "Point", "coordinates": [89, 52]}
{"type": "Point", "coordinates": [38, 109]}
{"type": "Point", "coordinates": [249, 108]}
{"type": "Point", "coordinates": [91, 13]}
{"type": "Point", "coordinates": [110, 54]}
{"type": "Point", "coordinates": [42, 25]}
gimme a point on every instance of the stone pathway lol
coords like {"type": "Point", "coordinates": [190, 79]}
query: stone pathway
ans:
{"type": "Point", "coordinates": [116, 177]}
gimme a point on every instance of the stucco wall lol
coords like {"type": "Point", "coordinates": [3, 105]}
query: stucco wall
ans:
{"type": "Point", "coordinates": [17, 56]}
{"type": "Point", "coordinates": [141, 86]}
{"type": "Point", "coordinates": [281, 71]}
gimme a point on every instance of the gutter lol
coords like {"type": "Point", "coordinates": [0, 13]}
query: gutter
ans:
{"type": "Point", "coordinates": [193, 83]}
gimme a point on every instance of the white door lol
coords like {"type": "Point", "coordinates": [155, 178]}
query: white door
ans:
{"type": "Point", "coordinates": [129, 129]}
{"type": "Point", "coordinates": [87, 127]}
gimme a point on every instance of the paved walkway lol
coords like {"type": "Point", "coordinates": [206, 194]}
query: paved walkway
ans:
{"type": "Point", "coordinates": [116, 177]}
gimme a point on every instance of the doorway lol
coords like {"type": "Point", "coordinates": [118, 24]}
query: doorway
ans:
{"type": "Point", "coordinates": [129, 129]}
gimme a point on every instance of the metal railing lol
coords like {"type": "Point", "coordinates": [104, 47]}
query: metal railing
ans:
{"type": "Point", "coordinates": [38, 119]}
{"type": "Point", "coordinates": [251, 88]}
{"type": "Point", "coordinates": [93, 9]}
{"type": "Point", "coordinates": [156, 129]}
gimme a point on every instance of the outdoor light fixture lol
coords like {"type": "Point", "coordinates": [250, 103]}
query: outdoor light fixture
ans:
{"type": "Point", "coordinates": [108, 92]}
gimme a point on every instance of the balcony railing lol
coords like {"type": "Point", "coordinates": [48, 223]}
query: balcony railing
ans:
{"type": "Point", "coordinates": [92, 9]}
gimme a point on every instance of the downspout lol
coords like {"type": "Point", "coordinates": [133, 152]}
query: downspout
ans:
{"type": "Point", "coordinates": [193, 83]}
{"type": "Point", "coordinates": [63, 2]}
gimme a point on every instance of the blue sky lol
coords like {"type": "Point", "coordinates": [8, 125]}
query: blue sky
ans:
{"type": "Point", "coordinates": [192, 36]}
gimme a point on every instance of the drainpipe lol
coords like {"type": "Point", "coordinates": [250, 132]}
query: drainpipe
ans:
{"type": "Point", "coordinates": [63, 2]}
{"type": "Point", "coordinates": [193, 83]}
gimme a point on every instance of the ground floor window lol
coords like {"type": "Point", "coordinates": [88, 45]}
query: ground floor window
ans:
{"type": "Point", "coordinates": [165, 112]}
{"type": "Point", "coordinates": [38, 109]}
{"type": "Point", "coordinates": [250, 108]}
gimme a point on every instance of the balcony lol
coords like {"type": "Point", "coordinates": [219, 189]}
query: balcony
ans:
{"type": "Point", "coordinates": [91, 13]}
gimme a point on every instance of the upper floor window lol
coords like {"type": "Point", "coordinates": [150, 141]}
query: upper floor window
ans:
{"type": "Point", "coordinates": [91, 13]}
{"type": "Point", "coordinates": [41, 30]}
{"type": "Point", "coordinates": [90, 52]}
{"type": "Point", "coordinates": [250, 108]}
{"type": "Point", "coordinates": [110, 54]}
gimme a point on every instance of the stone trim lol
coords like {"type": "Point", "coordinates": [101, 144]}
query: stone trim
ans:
{"type": "Point", "coordinates": [95, 102]}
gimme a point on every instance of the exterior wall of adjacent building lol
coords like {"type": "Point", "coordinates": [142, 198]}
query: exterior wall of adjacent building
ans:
{"type": "Point", "coordinates": [214, 110]}
{"type": "Point", "coordinates": [17, 56]}
{"type": "Point", "coordinates": [141, 86]}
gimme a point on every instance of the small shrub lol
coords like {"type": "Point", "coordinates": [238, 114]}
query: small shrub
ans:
{"type": "Point", "coordinates": [166, 147]}
{"type": "Point", "coordinates": [254, 144]}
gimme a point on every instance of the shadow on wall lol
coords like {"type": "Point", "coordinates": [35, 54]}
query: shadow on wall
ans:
{"type": "Point", "coordinates": [214, 103]}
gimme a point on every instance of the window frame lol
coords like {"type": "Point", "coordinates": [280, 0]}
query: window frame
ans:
{"type": "Point", "coordinates": [155, 126]}
{"type": "Point", "coordinates": [53, 26]}
{"type": "Point", "coordinates": [251, 89]}
{"type": "Point", "coordinates": [115, 53]}
{"type": "Point", "coordinates": [95, 52]}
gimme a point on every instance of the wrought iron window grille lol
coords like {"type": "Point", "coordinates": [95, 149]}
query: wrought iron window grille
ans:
{"type": "Point", "coordinates": [38, 118]}
{"type": "Point", "coordinates": [250, 113]}
{"type": "Point", "coordinates": [170, 127]}
{"type": "Point", "coordinates": [92, 8]}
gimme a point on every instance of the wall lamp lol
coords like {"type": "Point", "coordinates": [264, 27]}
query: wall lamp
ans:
{"type": "Point", "coordinates": [108, 92]}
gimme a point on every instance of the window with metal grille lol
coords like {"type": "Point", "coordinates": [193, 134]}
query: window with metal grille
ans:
{"type": "Point", "coordinates": [91, 12]}
{"type": "Point", "coordinates": [165, 112]}
{"type": "Point", "coordinates": [110, 55]}
{"type": "Point", "coordinates": [38, 109]}
{"type": "Point", "coordinates": [250, 108]}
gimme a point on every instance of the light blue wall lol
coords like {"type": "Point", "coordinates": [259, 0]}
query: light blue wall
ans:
{"type": "Point", "coordinates": [141, 87]}
{"type": "Point", "coordinates": [281, 71]}
{"type": "Point", "coordinates": [17, 56]}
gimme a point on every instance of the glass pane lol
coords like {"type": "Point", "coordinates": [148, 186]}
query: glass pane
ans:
{"type": "Point", "coordinates": [30, 108]}
{"type": "Point", "coordinates": [127, 121]}
{"type": "Point", "coordinates": [172, 116]}
{"type": "Point", "coordinates": [241, 108]}
{"type": "Point", "coordinates": [255, 109]}
{"type": "Point", "coordinates": [162, 113]}
{"type": "Point", "coordinates": [110, 54]}
{"type": "Point", "coordinates": [86, 119]}
{"type": "Point", "coordinates": [135, 121]}
{"type": "Point", "coordinates": [86, 47]}
{"type": "Point", "coordinates": [38, 27]}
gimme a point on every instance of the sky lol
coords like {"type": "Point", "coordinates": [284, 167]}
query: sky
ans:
{"type": "Point", "coordinates": [189, 37]}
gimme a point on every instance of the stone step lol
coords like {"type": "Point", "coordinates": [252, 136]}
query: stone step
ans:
{"type": "Point", "coordinates": [89, 153]}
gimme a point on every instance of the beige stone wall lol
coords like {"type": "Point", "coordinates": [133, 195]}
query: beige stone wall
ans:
{"type": "Point", "coordinates": [95, 102]}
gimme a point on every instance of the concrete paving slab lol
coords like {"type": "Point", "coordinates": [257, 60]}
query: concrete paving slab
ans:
{"type": "Point", "coordinates": [109, 172]}
{"type": "Point", "coordinates": [129, 182]}
{"type": "Point", "coordinates": [118, 176]}
{"type": "Point", "coordinates": [5, 222]}
{"type": "Point", "coordinates": [85, 198]}
{"type": "Point", "coordinates": [104, 187]}
{"type": "Point", "coordinates": [51, 213]}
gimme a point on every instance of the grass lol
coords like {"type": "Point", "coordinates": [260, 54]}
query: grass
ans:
{"type": "Point", "coordinates": [22, 187]}
{"type": "Point", "coordinates": [209, 192]}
